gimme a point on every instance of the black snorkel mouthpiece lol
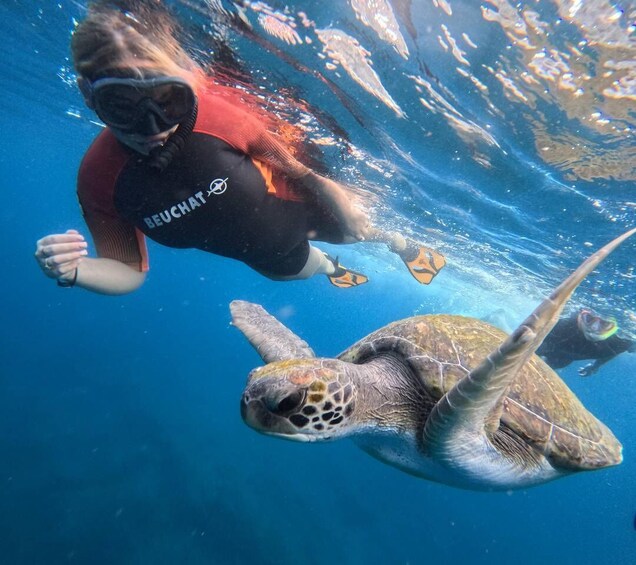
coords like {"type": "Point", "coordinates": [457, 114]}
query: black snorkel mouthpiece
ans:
{"type": "Point", "coordinates": [161, 157]}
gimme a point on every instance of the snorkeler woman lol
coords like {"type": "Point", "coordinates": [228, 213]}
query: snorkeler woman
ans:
{"type": "Point", "coordinates": [185, 162]}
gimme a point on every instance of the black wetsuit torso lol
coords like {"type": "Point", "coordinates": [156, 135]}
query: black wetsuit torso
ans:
{"type": "Point", "coordinates": [212, 197]}
{"type": "Point", "coordinates": [567, 343]}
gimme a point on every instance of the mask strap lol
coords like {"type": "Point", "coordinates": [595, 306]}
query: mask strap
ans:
{"type": "Point", "coordinates": [87, 91]}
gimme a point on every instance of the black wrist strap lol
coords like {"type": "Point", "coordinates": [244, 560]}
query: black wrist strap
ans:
{"type": "Point", "coordinates": [67, 283]}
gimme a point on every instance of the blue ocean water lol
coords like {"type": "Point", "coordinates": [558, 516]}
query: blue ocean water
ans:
{"type": "Point", "coordinates": [120, 434]}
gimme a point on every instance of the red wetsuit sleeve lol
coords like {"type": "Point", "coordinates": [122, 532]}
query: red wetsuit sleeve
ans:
{"type": "Point", "coordinates": [265, 147]}
{"type": "Point", "coordinates": [114, 238]}
{"type": "Point", "coordinates": [245, 132]}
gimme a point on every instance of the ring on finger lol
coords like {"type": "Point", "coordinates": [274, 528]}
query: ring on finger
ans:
{"type": "Point", "coordinates": [46, 264]}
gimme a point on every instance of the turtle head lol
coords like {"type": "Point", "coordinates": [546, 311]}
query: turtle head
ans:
{"type": "Point", "coordinates": [300, 399]}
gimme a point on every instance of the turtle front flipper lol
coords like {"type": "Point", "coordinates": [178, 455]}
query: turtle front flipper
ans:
{"type": "Point", "coordinates": [471, 410]}
{"type": "Point", "coordinates": [271, 339]}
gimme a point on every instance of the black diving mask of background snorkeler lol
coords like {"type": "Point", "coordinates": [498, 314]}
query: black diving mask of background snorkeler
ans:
{"type": "Point", "coordinates": [142, 106]}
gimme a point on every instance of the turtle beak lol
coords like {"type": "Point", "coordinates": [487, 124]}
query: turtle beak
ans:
{"type": "Point", "coordinates": [257, 413]}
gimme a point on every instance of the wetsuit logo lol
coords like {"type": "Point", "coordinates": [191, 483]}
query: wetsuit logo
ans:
{"type": "Point", "coordinates": [175, 212]}
{"type": "Point", "coordinates": [217, 186]}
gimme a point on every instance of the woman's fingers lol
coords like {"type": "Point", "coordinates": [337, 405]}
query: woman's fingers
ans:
{"type": "Point", "coordinates": [358, 224]}
{"type": "Point", "coordinates": [58, 254]}
{"type": "Point", "coordinates": [56, 261]}
{"type": "Point", "coordinates": [55, 267]}
{"type": "Point", "coordinates": [69, 237]}
{"type": "Point", "coordinates": [62, 248]}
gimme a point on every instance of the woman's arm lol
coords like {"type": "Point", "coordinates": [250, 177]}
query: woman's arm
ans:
{"type": "Point", "coordinates": [107, 276]}
{"type": "Point", "coordinates": [264, 146]}
{"type": "Point", "coordinates": [63, 257]}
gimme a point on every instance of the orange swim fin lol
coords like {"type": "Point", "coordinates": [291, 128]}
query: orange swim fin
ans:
{"type": "Point", "coordinates": [343, 277]}
{"type": "Point", "coordinates": [423, 262]}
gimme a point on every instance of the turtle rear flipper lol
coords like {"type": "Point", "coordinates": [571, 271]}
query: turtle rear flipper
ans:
{"type": "Point", "coordinates": [473, 407]}
{"type": "Point", "coordinates": [271, 339]}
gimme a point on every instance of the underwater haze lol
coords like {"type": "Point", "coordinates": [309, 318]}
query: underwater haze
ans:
{"type": "Point", "coordinates": [500, 133]}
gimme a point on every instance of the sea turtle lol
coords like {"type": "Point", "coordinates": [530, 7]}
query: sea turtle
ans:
{"type": "Point", "coordinates": [446, 398]}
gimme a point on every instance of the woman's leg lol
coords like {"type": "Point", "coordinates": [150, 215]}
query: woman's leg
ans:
{"type": "Point", "coordinates": [319, 263]}
{"type": "Point", "coordinates": [395, 241]}
{"type": "Point", "coordinates": [422, 262]}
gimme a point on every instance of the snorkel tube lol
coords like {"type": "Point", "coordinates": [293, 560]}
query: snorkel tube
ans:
{"type": "Point", "coordinates": [594, 327]}
{"type": "Point", "coordinates": [161, 157]}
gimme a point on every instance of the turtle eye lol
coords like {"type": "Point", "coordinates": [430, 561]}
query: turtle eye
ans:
{"type": "Point", "coordinates": [290, 402]}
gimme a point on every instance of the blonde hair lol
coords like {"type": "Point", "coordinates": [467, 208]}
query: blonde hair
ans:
{"type": "Point", "coordinates": [136, 36]}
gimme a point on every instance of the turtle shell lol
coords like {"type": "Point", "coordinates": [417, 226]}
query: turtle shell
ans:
{"type": "Point", "coordinates": [538, 407]}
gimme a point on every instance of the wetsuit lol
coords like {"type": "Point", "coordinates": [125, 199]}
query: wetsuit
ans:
{"type": "Point", "coordinates": [567, 343]}
{"type": "Point", "coordinates": [230, 191]}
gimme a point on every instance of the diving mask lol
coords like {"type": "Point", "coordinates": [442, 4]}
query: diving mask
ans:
{"type": "Point", "coordinates": [594, 327]}
{"type": "Point", "coordinates": [143, 106]}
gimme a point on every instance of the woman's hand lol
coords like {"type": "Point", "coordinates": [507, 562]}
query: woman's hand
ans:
{"type": "Point", "coordinates": [588, 370]}
{"type": "Point", "coordinates": [59, 255]}
{"type": "Point", "coordinates": [355, 222]}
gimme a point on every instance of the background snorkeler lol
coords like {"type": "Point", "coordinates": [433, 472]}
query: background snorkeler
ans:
{"type": "Point", "coordinates": [584, 335]}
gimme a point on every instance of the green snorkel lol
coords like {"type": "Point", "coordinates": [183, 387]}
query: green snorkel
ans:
{"type": "Point", "coordinates": [595, 327]}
